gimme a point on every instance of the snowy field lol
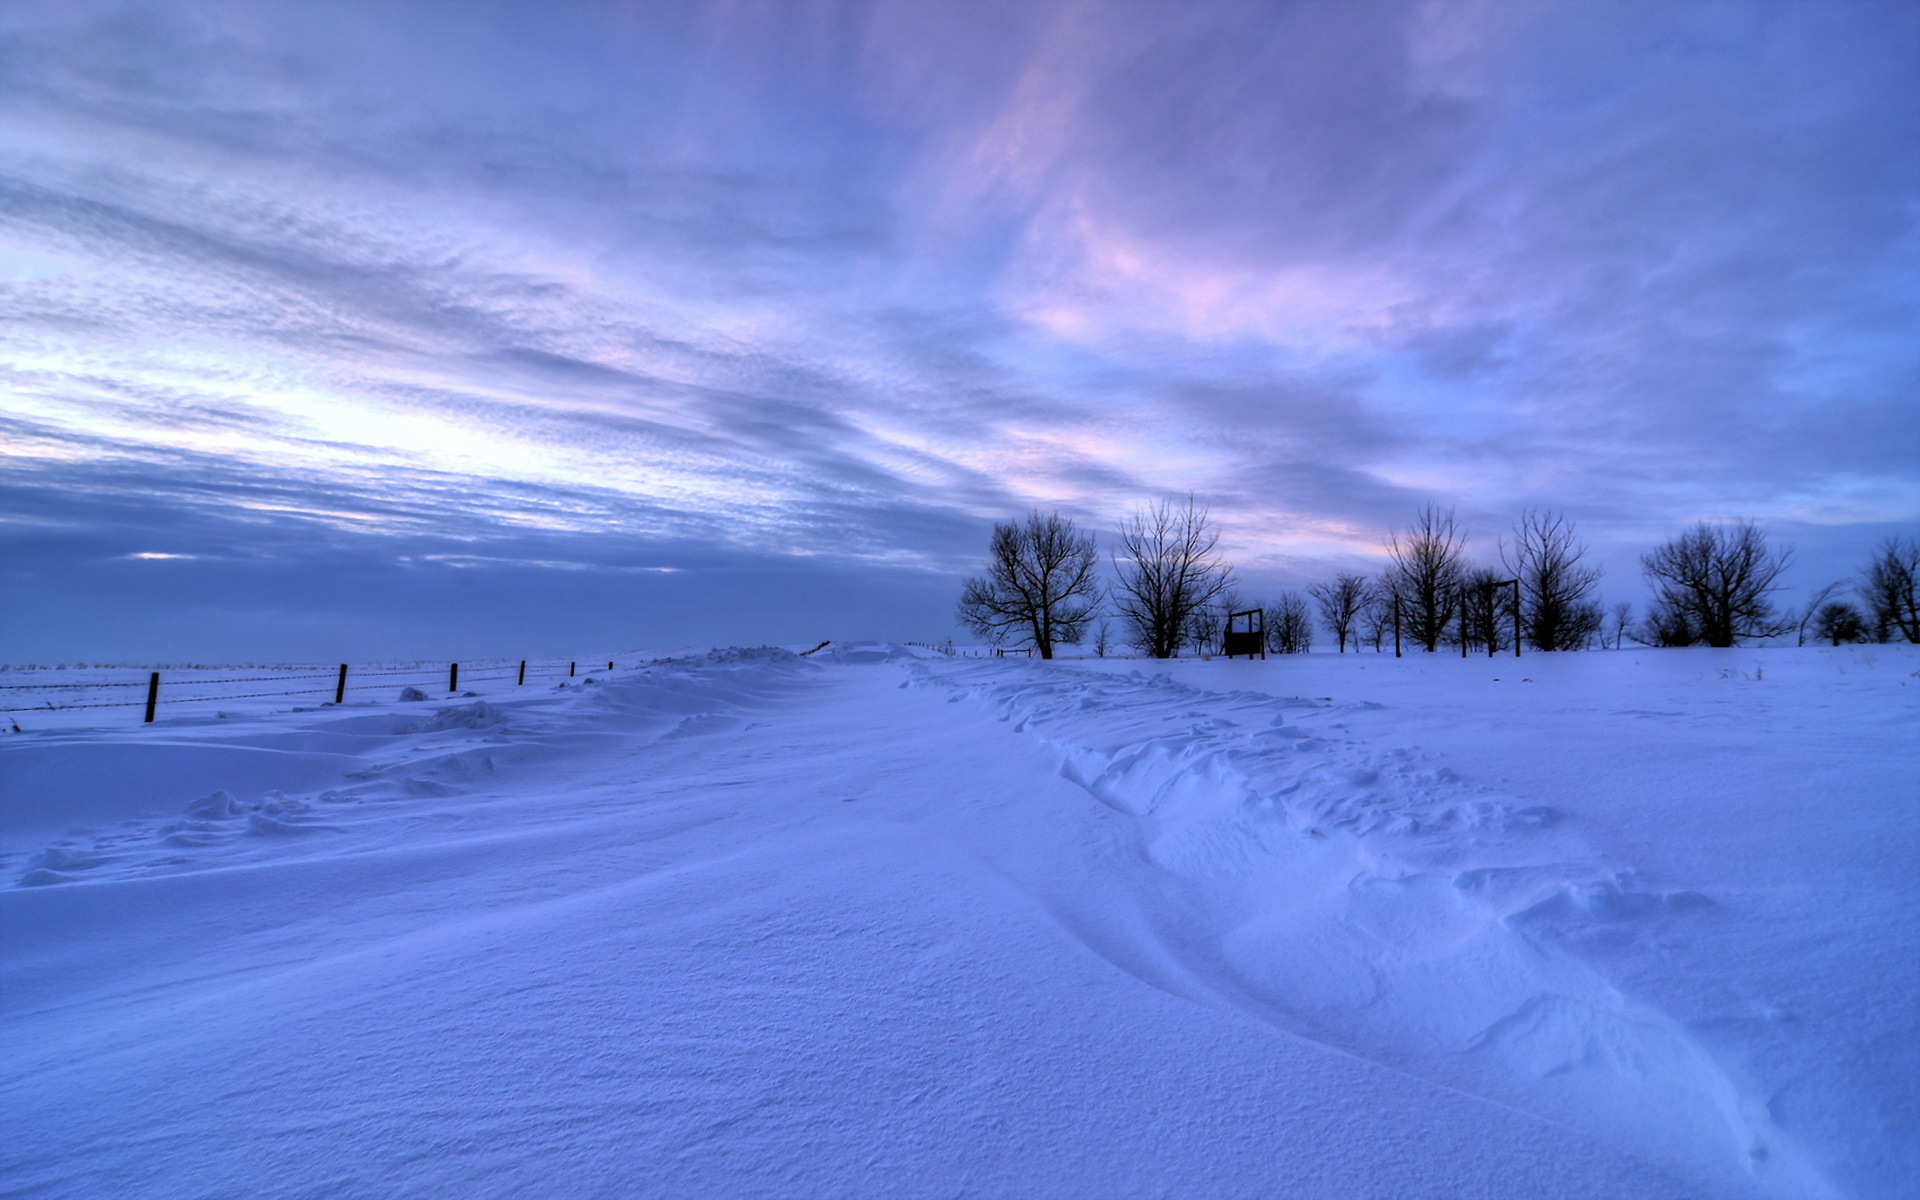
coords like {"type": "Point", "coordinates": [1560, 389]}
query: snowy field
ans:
{"type": "Point", "coordinates": [879, 922]}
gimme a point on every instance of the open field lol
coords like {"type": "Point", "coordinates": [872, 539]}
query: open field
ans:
{"type": "Point", "coordinates": [883, 922]}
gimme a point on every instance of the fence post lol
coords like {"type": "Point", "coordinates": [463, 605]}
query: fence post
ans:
{"type": "Point", "coordinates": [153, 694]}
{"type": "Point", "coordinates": [453, 677]}
{"type": "Point", "coordinates": [1516, 618]}
{"type": "Point", "coordinates": [340, 689]}
{"type": "Point", "coordinates": [570, 667]}
{"type": "Point", "coordinates": [1396, 625]}
{"type": "Point", "coordinates": [1493, 620]}
{"type": "Point", "coordinates": [609, 666]}
{"type": "Point", "coordinates": [523, 673]}
{"type": "Point", "coordinates": [1460, 598]}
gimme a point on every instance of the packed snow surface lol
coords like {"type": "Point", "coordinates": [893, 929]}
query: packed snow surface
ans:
{"type": "Point", "coordinates": [876, 921]}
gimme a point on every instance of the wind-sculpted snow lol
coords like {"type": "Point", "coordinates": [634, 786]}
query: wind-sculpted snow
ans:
{"type": "Point", "coordinates": [397, 755]}
{"type": "Point", "coordinates": [1367, 896]}
{"type": "Point", "coordinates": [875, 921]}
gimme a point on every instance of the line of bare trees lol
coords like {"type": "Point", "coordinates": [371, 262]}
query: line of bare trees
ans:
{"type": "Point", "coordinates": [1040, 587]}
{"type": "Point", "coordinates": [1430, 595]}
{"type": "Point", "coordinates": [1715, 585]}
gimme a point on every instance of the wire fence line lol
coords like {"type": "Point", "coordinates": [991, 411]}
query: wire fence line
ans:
{"type": "Point", "coordinates": [345, 680]}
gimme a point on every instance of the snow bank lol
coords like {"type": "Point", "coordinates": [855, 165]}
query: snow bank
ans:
{"type": "Point", "coordinates": [883, 922]}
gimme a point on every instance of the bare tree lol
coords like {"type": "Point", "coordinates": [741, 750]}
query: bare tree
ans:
{"type": "Point", "coordinates": [1289, 625]}
{"type": "Point", "coordinates": [1620, 617]}
{"type": "Point", "coordinates": [1376, 616]}
{"type": "Point", "coordinates": [1204, 628]}
{"type": "Point", "coordinates": [1341, 603]}
{"type": "Point", "coordinates": [1802, 617]}
{"type": "Point", "coordinates": [1102, 640]}
{"type": "Point", "coordinates": [1837, 622]}
{"type": "Point", "coordinates": [1713, 584]}
{"type": "Point", "coordinates": [1557, 609]}
{"type": "Point", "coordinates": [1040, 585]}
{"type": "Point", "coordinates": [1166, 571]}
{"type": "Point", "coordinates": [1890, 585]}
{"type": "Point", "coordinates": [1486, 611]}
{"type": "Point", "coordinates": [1427, 566]}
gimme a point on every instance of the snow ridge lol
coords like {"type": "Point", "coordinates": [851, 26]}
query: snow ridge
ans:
{"type": "Point", "coordinates": [1372, 899]}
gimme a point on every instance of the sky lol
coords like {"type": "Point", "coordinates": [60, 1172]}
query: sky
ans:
{"type": "Point", "coordinates": [355, 331]}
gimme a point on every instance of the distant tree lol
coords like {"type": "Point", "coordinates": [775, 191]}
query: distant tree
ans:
{"type": "Point", "coordinates": [1714, 584]}
{"type": "Point", "coordinates": [1040, 586]}
{"type": "Point", "coordinates": [1204, 628]}
{"type": "Point", "coordinates": [1890, 585]}
{"type": "Point", "coordinates": [1557, 608]}
{"type": "Point", "coordinates": [1376, 617]}
{"type": "Point", "coordinates": [1102, 640]}
{"type": "Point", "coordinates": [1166, 571]}
{"type": "Point", "coordinates": [1342, 603]}
{"type": "Point", "coordinates": [1804, 616]}
{"type": "Point", "coordinates": [1427, 564]}
{"type": "Point", "coordinates": [1665, 625]}
{"type": "Point", "coordinates": [1485, 620]}
{"type": "Point", "coordinates": [1620, 617]}
{"type": "Point", "coordinates": [1838, 622]}
{"type": "Point", "coordinates": [1289, 625]}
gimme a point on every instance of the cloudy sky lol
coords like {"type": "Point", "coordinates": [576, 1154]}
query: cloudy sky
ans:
{"type": "Point", "coordinates": [349, 331]}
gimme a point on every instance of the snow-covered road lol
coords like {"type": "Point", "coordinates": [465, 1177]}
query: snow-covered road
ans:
{"type": "Point", "coordinates": [879, 922]}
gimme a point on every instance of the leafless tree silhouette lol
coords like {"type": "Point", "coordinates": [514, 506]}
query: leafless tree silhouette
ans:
{"type": "Point", "coordinates": [1376, 616]}
{"type": "Point", "coordinates": [1620, 617]}
{"type": "Point", "coordinates": [1040, 586]}
{"type": "Point", "coordinates": [1166, 572]}
{"type": "Point", "coordinates": [1805, 615]}
{"type": "Point", "coordinates": [1205, 627]}
{"type": "Point", "coordinates": [1891, 588]}
{"type": "Point", "coordinates": [1342, 603]}
{"type": "Point", "coordinates": [1557, 609]}
{"type": "Point", "coordinates": [1713, 584]}
{"type": "Point", "coordinates": [1486, 610]}
{"type": "Point", "coordinates": [1837, 622]}
{"type": "Point", "coordinates": [1427, 566]}
{"type": "Point", "coordinates": [1289, 625]}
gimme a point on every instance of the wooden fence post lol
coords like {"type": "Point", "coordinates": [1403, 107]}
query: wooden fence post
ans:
{"type": "Point", "coordinates": [1516, 618]}
{"type": "Point", "coordinates": [153, 694]}
{"type": "Point", "coordinates": [570, 667]}
{"type": "Point", "coordinates": [453, 677]}
{"type": "Point", "coordinates": [523, 673]}
{"type": "Point", "coordinates": [1493, 620]}
{"type": "Point", "coordinates": [340, 689]}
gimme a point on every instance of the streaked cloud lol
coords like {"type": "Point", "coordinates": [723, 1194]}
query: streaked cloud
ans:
{"type": "Point", "coordinates": [836, 285]}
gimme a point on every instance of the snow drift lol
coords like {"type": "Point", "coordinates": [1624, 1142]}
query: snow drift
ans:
{"type": "Point", "coordinates": [875, 921]}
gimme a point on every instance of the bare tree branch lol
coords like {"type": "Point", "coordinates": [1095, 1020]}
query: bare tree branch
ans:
{"type": "Point", "coordinates": [1039, 587]}
{"type": "Point", "coordinates": [1557, 609]}
{"type": "Point", "coordinates": [1427, 565]}
{"type": "Point", "coordinates": [1342, 603]}
{"type": "Point", "coordinates": [1166, 573]}
{"type": "Point", "coordinates": [1289, 625]}
{"type": "Point", "coordinates": [1890, 586]}
{"type": "Point", "coordinates": [1713, 584]}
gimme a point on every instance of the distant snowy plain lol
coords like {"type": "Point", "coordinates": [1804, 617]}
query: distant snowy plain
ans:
{"type": "Point", "coordinates": [879, 922]}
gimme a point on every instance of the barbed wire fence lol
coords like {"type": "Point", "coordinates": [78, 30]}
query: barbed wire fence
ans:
{"type": "Point", "coordinates": [185, 687]}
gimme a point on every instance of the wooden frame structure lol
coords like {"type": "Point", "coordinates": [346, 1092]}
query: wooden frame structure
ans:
{"type": "Point", "coordinates": [1249, 641]}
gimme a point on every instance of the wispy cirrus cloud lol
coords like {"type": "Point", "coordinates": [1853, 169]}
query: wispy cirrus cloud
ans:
{"type": "Point", "coordinates": [839, 284]}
